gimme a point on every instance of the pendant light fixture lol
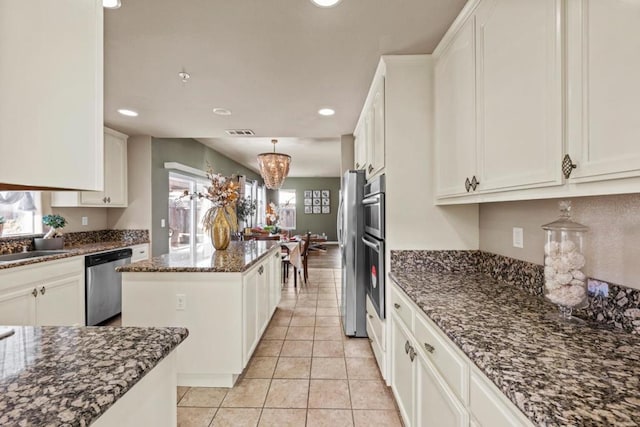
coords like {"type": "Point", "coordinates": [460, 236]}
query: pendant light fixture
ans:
{"type": "Point", "coordinates": [274, 167]}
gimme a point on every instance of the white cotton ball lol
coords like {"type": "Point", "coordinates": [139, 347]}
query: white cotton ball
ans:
{"type": "Point", "coordinates": [567, 246]}
{"type": "Point", "coordinates": [578, 275]}
{"type": "Point", "coordinates": [552, 284]}
{"type": "Point", "coordinates": [576, 282]}
{"type": "Point", "coordinates": [576, 260]}
{"type": "Point", "coordinates": [548, 260]}
{"type": "Point", "coordinates": [569, 296]}
{"type": "Point", "coordinates": [564, 278]}
{"type": "Point", "coordinates": [549, 273]}
{"type": "Point", "coordinates": [551, 248]}
{"type": "Point", "coordinates": [561, 265]}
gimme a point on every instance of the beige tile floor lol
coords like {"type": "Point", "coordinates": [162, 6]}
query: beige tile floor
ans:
{"type": "Point", "coordinates": [304, 372]}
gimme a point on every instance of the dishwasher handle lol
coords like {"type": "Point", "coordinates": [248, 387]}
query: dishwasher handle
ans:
{"type": "Point", "coordinates": [106, 257]}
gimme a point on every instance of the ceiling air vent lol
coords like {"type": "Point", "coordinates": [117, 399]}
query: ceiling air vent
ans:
{"type": "Point", "coordinates": [239, 132]}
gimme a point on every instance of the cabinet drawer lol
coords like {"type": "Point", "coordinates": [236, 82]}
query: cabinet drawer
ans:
{"type": "Point", "coordinates": [490, 407]}
{"type": "Point", "coordinates": [440, 352]}
{"type": "Point", "coordinates": [375, 328]}
{"type": "Point", "coordinates": [140, 253]}
{"type": "Point", "coordinates": [402, 307]}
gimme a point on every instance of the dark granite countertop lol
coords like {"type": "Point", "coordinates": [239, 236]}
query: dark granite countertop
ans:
{"type": "Point", "coordinates": [74, 250]}
{"type": "Point", "coordinates": [556, 374]}
{"type": "Point", "coordinates": [71, 375]}
{"type": "Point", "coordinates": [238, 257]}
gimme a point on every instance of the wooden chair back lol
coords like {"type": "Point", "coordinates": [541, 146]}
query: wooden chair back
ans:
{"type": "Point", "coordinates": [307, 243]}
{"type": "Point", "coordinates": [266, 237]}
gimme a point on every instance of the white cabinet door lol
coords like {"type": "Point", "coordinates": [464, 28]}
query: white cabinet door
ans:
{"type": "Point", "coordinates": [376, 146]}
{"type": "Point", "coordinates": [17, 306]}
{"type": "Point", "coordinates": [276, 281]}
{"type": "Point", "coordinates": [402, 370]}
{"type": "Point", "coordinates": [604, 89]}
{"type": "Point", "coordinates": [519, 78]}
{"type": "Point", "coordinates": [360, 146]}
{"type": "Point", "coordinates": [436, 405]}
{"type": "Point", "coordinates": [140, 252]}
{"type": "Point", "coordinates": [60, 302]}
{"type": "Point", "coordinates": [51, 80]}
{"type": "Point", "coordinates": [250, 315]}
{"type": "Point", "coordinates": [262, 296]}
{"type": "Point", "coordinates": [455, 113]}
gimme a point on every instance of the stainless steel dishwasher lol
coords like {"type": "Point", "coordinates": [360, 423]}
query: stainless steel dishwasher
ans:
{"type": "Point", "coordinates": [103, 285]}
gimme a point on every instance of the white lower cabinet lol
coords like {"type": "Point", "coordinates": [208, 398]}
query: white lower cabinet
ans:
{"type": "Point", "coordinates": [434, 383]}
{"type": "Point", "coordinates": [250, 317]}
{"type": "Point", "coordinates": [140, 252]}
{"type": "Point", "coordinates": [46, 294]}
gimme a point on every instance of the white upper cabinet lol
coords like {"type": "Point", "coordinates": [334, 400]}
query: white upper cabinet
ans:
{"type": "Point", "coordinates": [519, 93]}
{"type": "Point", "coordinates": [604, 89]}
{"type": "Point", "coordinates": [455, 113]}
{"type": "Point", "coordinates": [51, 80]}
{"type": "Point", "coordinates": [369, 136]}
{"type": "Point", "coordinates": [115, 178]}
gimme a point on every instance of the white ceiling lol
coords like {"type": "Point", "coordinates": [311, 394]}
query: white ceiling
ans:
{"type": "Point", "coordinates": [274, 63]}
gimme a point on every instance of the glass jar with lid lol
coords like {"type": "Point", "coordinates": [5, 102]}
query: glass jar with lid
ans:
{"type": "Point", "coordinates": [565, 283]}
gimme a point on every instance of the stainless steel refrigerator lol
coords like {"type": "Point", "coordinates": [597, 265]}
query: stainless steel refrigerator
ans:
{"type": "Point", "coordinates": [350, 233]}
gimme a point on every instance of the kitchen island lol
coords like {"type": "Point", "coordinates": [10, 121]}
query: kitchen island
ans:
{"type": "Point", "coordinates": [78, 376]}
{"type": "Point", "coordinates": [225, 298]}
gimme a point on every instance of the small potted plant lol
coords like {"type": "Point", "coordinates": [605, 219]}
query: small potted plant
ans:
{"type": "Point", "coordinates": [2, 221]}
{"type": "Point", "coordinates": [53, 238]}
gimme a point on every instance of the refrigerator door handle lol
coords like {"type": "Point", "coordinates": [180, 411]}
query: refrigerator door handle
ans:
{"type": "Point", "coordinates": [339, 223]}
{"type": "Point", "coordinates": [372, 245]}
{"type": "Point", "coordinates": [371, 200]}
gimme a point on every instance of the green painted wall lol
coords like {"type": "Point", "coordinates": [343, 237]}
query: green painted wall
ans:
{"type": "Point", "coordinates": [316, 223]}
{"type": "Point", "coordinates": [188, 152]}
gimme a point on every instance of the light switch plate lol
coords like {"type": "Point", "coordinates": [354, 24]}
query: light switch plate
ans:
{"type": "Point", "coordinates": [85, 220]}
{"type": "Point", "coordinates": [518, 237]}
{"type": "Point", "coordinates": [181, 302]}
{"type": "Point", "coordinates": [162, 223]}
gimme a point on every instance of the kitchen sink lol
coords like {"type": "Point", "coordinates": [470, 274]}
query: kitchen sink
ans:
{"type": "Point", "coordinates": [26, 255]}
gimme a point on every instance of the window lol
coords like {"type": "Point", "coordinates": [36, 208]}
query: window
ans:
{"type": "Point", "coordinates": [287, 208]}
{"type": "Point", "coordinates": [186, 232]}
{"type": "Point", "coordinates": [261, 206]}
{"type": "Point", "coordinates": [21, 212]}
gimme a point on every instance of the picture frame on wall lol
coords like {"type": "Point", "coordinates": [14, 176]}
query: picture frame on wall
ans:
{"type": "Point", "coordinates": [317, 209]}
{"type": "Point", "coordinates": [316, 194]}
{"type": "Point", "coordinates": [326, 209]}
{"type": "Point", "coordinates": [325, 202]}
{"type": "Point", "coordinates": [317, 202]}
{"type": "Point", "coordinates": [308, 209]}
{"type": "Point", "coordinates": [326, 194]}
{"type": "Point", "coordinates": [308, 202]}
{"type": "Point", "coordinates": [308, 194]}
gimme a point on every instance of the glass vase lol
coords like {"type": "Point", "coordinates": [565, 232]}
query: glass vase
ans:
{"type": "Point", "coordinates": [220, 230]}
{"type": "Point", "coordinates": [565, 283]}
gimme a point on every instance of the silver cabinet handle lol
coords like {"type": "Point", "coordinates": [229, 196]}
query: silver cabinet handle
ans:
{"type": "Point", "coordinates": [104, 200]}
{"type": "Point", "coordinates": [357, 165]}
{"type": "Point", "coordinates": [407, 346]}
{"type": "Point", "coordinates": [370, 316]}
{"type": "Point", "coordinates": [43, 290]}
{"type": "Point", "coordinates": [429, 347]}
{"type": "Point", "coordinates": [261, 270]}
{"type": "Point", "coordinates": [396, 305]}
{"type": "Point", "coordinates": [34, 292]}
{"type": "Point", "coordinates": [467, 184]}
{"type": "Point", "coordinates": [412, 354]}
{"type": "Point", "coordinates": [370, 168]}
{"type": "Point", "coordinates": [109, 199]}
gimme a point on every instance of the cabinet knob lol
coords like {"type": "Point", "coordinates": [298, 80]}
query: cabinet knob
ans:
{"type": "Point", "coordinates": [261, 270]}
{"type": "Point", "coordinates": [43, 290]}
{"type": "Point", "coordinates": [567, 166]}
{"type": "Point", "coordinates": [34, 292]}
{"type": "Point", "coordinates": [467, 184]}
{"type": "Point", "coordinates": [396, 306]}
{"type": "Point", "coordinates": [370, 168]}
{"type": "Point", "coordinates": [407, 346]}
{"type": "Point", "coordinates": [429, 347]}
{"type": "Point", "coordinates": [370, 316]}
{"type": "Point", "coordinates": [357, 165]}
{"type": "Point", "coordinates": [104, 200]}
{"type": "Point", "coordinates": [108, 199]}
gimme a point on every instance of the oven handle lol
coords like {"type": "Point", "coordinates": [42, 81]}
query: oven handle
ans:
{"type": "Point", "coordinates": [371, 200]}
{"type": "Point", "coordinates": [375, 246]}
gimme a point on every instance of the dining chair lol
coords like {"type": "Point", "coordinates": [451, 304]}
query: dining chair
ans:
{"type": "Point", "coordinates": [286, 262]}
{"type": "Point", "coordinates": [304, 255]}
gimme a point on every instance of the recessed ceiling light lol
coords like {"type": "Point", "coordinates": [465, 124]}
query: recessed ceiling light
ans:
{"type": "Point", "coordinates": [222, 111]}
{"type": "Point", "coordinates": [325, 3]}
{"type": "Point", "coordinates": [326, 112]}
{"type": "Point", "coordinates": [184, 76]}
{"type": "Point", "coordinates": [129, 113]}
{"type": "Point", "coordinates": [111, 4]}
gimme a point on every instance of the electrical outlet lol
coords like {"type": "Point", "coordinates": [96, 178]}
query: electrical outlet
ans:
{"type": "Point", "coordinates": [181, 301]}
{"type": "Point", "coordinates": [518, 237]}
{"type": "Point", "coordinates": [85, 220]}
{"type": "Point", "coordinates": [162, 223]}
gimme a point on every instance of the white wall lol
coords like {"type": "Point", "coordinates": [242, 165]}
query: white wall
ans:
{"type": "Point", "coordinates": [97, 217]}
{"type": "Point", "coordinates": [138, 213]}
